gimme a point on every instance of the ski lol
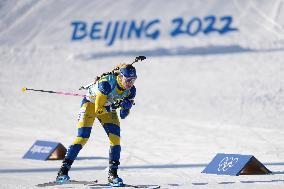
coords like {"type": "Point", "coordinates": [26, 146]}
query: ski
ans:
{"type": "Point", "coordinates": [57, 183]}
{"type": "Point", "coordinates": [95, 184]}
{"type": "Point", "coordinates": [99, 185]}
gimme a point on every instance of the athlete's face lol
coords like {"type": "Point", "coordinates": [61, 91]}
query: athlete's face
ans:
{"type": "Point", "coordinates": [127, 82]}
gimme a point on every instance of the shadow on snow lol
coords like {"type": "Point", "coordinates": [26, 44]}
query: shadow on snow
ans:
{"type": "Point", "coordinates": [180, 51]}
{"type": "Point", "coordinates": [92, 168]}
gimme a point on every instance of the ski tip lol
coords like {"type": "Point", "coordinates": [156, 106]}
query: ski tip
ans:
{"type": "Point", "coordinates": [24, 89]}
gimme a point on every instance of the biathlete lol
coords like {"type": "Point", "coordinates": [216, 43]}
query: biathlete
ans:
{"type": "Point", "coordinates": [111, 92]}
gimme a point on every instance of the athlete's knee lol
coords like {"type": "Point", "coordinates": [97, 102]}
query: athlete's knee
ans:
{"type": "Point", "coordinates": [80, 140]}
{"type": "Point", "coordinates": [109, 118]}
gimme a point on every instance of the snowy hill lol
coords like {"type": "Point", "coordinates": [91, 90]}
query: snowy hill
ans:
{"type": "Point", "coordinates": [212, 82]}
{"type": "Point", "coordinates": [195, 24]}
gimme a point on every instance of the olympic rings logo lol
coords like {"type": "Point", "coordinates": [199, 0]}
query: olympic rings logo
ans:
{"type": "Point", "coordinates": [227, 163]}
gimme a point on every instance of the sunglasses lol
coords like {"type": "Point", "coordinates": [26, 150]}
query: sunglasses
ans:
{"type": "Point", "coordinates": [129, 79]}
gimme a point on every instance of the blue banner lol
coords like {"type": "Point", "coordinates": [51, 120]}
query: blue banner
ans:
{"type": "Point", "coordinates": [41, 150]}
{"type": "Point", "coordinates": [234, 164]}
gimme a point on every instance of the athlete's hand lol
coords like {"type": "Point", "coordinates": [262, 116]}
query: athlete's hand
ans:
{"type": "Point", "coordinates": [124, 113]}
{"type": "Point", "coordinates": [126, 104]}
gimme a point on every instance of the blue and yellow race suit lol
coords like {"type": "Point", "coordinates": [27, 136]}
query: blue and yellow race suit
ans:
{"type": "Point", "coordinates": [101, 96]}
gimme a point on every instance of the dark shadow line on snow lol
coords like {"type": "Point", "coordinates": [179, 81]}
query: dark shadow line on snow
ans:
{"type": "Point", "coordinates": [244, 182]}
{"type": "Point", "coordinates": [261, 181]}
{"type": "Point", "coordinates": [199, 183]}
{"type": "Point", "coordinates": [165, 166]}
{"type": "Point", "coordinates": [278, 173]}
{"type": "Point", "coordinates": [180, 51]}
{"type": "Point", "coordinates": [91, 158]}
{"type": "Point", "coordinates": [276, 163]}
{"type": "Point", "coordinates": [162, 166]}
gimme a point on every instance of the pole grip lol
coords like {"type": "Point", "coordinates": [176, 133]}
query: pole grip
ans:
{"type": "Point", "coordinates": [24, 89]}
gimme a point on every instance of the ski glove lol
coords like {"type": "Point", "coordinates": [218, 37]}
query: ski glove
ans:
{"type": "Point", "coordinates": [126, 104]}
{"type": "Point", "coordinates": [124, 113]}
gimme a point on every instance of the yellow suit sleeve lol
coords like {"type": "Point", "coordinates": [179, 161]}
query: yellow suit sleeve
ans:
{"type": "Point", "coordinates": [100, 101]}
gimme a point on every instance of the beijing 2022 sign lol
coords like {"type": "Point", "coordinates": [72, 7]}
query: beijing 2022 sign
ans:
{"type": "Point", "coordinates": [112, 31]}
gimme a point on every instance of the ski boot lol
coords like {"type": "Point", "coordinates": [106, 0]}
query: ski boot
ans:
{"type": "Point", "coordinates": [62, 175]}
{"type": "Point", "coordinates": [113, 178]}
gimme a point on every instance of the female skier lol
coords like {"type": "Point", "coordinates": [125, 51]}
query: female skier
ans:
{"type": "Point", "coordinates": [111, 92]}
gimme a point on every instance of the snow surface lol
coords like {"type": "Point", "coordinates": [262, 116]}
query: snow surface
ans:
{"type": "Point", "coordinates": [196, 97]}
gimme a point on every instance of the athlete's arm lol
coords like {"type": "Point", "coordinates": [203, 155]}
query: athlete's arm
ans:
{"type": "Point", "coordinates": [101, 97]}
